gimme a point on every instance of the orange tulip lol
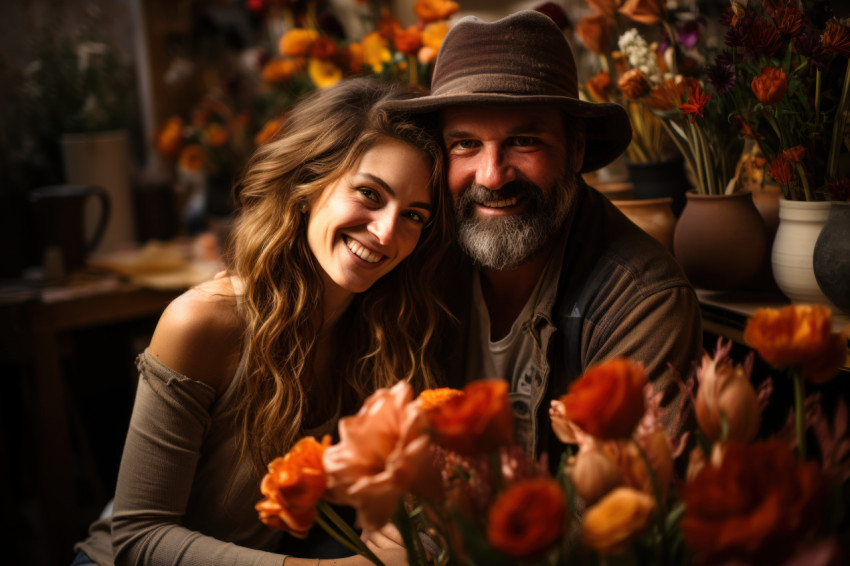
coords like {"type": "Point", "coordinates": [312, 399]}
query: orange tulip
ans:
{"type": "Point", "coordinates": [607, 401]}
{"type": "Point", "coordinates": [611, 525]}
{"type": "Point", "coordinates": [798, 335]}
{"type": "Point", "coordinates": [595, 33]}
{"type": "Point", "coordinates": [528, 519]}
{"type": "Point", "coordinates": [477, 422]}
{"type": "Point", "coordinates": [293, 486]}
{"type": "Point", "coordinates": [770, 86]}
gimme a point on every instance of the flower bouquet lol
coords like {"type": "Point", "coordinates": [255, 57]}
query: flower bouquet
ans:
{"type": "Point", "coordinates": [444, 469]}
{"type": "Point", "coordinates": [787, 74]}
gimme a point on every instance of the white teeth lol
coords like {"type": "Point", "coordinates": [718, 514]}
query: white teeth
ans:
{"type": "Point", "coordinates": [362, 252]}
{"type": "Point", "coordinates": [501, 203]}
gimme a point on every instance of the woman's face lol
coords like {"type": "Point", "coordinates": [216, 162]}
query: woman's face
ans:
{"type": "Point", "coordinates": [367, 222]}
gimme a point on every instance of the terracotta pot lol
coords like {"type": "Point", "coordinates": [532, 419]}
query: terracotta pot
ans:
{"type": "Point", "coordinates": [721, 241]}
{"type": "Point", "coordinates": [800, 224]}
{"type": "Point", "coordinates": [831, 256]}
{"type": "Point", "coordinates": [616, 191]}
{"type": "Point", "coordinates": [653, 216]}
{"type": "Point", "coordinates": [660, 180]}
{"type": "Point", "coordinates": [766, 199]}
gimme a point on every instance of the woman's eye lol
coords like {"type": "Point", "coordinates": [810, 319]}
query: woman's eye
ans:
{"type": "Point", "coordinates": [369, 194]}
{"type": "Point", "coordinates": [415, 216]}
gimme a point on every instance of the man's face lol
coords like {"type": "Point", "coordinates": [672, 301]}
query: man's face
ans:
{"type": "Point", "coordinates": [512, 174]}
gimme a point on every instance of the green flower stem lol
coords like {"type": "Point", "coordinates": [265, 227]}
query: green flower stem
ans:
{"type": "Point", "coordinates": [413, 65]}
{"type": "Point", "coordinates": [342, 532]}
{"type": "Point", "coordinates": [799, 409]}
{"type": "Point", "coordinates": [659, 497]}
{"type": "Point", "coordinates": [681, 144]}
{"type": "Point", "coordinates": [807, 193]}
{"type": "Point", "coordinates": [838, 129]}
{"type": "Point", "coordinates": [817, 96]}
{"type": "Point", "coordinates": [415, 552]}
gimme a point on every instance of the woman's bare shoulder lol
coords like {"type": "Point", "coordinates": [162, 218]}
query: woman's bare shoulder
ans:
{"type": "Point", "coordinates": [199, 333]}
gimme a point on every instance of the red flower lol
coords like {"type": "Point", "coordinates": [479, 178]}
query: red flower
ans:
{"type": "Point", "coordinates": [794, 154]}
{"type": "Point", "coordinates": [836, 38]}
{"type": "Point", "coordinates": [528, 518]}
{"type": "Point", "coordinates": [839, 190]}
{"type": "Point", "coordinates": [696, 103]}
{"type": "Point", "coordinates": [782, 171]}
{"type": "Point", "coordinates": [770, 86]}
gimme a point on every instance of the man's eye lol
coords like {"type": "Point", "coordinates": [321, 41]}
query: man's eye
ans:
{"type": "Point", "coordinates": [525, 141]}
{"type": "Point", "coordinates": [464, 144]}
{"type": "Point", "coordinates": [369, 194]}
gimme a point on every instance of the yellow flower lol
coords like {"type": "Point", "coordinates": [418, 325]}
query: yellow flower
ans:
{"type": "Point", "coordinates": [323, 73]}
{"type": "Point", "coordinates": [375, 51]}
{"type": "Point", "coordinates": [297, 42]}
{"type": "Point", "coordinates": [434, 34]}
{"type": "Point", "coordinates": [618, 519]}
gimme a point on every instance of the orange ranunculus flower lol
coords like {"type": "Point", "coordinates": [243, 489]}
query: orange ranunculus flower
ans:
{"type": "Point", "coordinates": [725, 392]}
{"type": "Point", "coordinates": [293, 486]}
{"type": "Point", "coordinates": [432, 398]}
{"type": "Point", "coordinates": [268, 131]}
{"type": "Point", "coordinates": [375, 51]}
{"type": "Point", "coordinates": [191, 159]}
{"type": "Point", "coordinates": [600, 86]}
{"type": "Point", "coordinates": [297, 42]}
{"type": "Point", "coordinates": [216, 134]}
{"type": "Point", "coordinates": [408, 40]}
{"type": "Point", "coordinates": [836, 38]}
{"type": "Point", "coordinates": [477, 422]}
{"type": "Point", "coordinates": [434, 34]}
{"type": "Point", "coordinates": [528, 519]}
{"type": "Point", "coordinates": [384, 451]}
{"type": "Point", "coordinates": [770, 86]}
{"type": "Point", "coordinates": [648, 12]}
{"type": "Point", "coordinates": [798, 335]}
{"type": "Point", "coordinates": [752, 506]}
{"type": "Point", "coordinates": [323, 73]}
{"type": "Point", "coordinates": [634, 84]}
{"type": "Point", "coordinates": [595, 32]}
{"type": "Point", "coordinates": [607, 401]}
{"type": "Point", "coordinates": [594, 472]}
{"type": "Point", "coordinates": [170, 136]}
{"type": "Point", "coordinates": [433, 10]}
{"type": "Point", "coordinates": [616, 520]}
{"type": "Point", "coordinates": [281, 70]}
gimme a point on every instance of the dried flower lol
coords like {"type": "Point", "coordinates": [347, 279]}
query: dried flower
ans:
{"type": "Point", "coordinates": [528, 518]}
{"type": "Point", "coordinates": [600, 86]}
{"type": "Point", "coordinates": [647, 12]}
{"type": "Point", "coordinates": [607, 400]}
{"type": "Point", "coordinates": [594, 32]}
{"type": "Point", "coordinates": [789, 21]}
{"type": "Point", "coordinates": [633, 84]}
{"type": "Point", "coordinates": [293, 486]}
{"type": "Point", "coordinates": [781, 171]}
{"type": "Point", "coordinates": [836, 38]}
{"type": "Point", "coordinates": [721, 76]}
{"type": "Point", "coordinates": [616, 520]}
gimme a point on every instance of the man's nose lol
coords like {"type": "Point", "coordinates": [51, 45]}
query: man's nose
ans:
{"type": "Point", "coordinates": [494, 170]}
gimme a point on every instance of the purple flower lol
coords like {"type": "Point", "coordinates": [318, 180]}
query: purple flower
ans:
{"type": "Point", "coordinates": [724, 58]}
{"type": "Point", "coordinates": [689, 32]}
{"type": "Point", "coordinates": [809, 46]}
{"type": "Point", "coordinates": [734, 37]}
{"type": "Point", "coordinates": [721, 76]}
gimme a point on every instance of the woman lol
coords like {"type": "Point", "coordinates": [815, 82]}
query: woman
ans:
{"type": "Point", "coordinates": [342, 220]}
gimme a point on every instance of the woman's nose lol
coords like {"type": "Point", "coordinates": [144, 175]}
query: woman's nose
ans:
{"type": "Point", "coordinates": [383, 226]}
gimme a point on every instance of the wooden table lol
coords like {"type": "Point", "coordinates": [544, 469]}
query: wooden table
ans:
{"type": "Point", "coordinates": [42, 314]}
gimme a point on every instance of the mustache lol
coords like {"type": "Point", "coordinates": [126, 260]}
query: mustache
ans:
{"type": "Point", "coordinates": [478, 193]}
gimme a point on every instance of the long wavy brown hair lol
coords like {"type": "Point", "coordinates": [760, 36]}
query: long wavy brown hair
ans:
{"type": "Point", "coordinates": [387, 331]}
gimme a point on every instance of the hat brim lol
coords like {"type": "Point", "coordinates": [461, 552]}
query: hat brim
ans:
{"type": "Point", "coordinates": [608, 131]}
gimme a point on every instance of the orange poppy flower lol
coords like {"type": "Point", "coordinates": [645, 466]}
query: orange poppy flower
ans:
{"type": "Point", "coordinates": [293, 486]}
{"type": "Point", "coordinates": [433, 10]}
{"type": "Point", "coordinates": [770, 86]}
{"type": "Point", "coordinates": [607, 401]}
{"type": "Point", "coordinates": [648, 12]}
{"type": "Point", "coordinates": [797, 335]}
{"type": "Point", "coordinates": [477, 422]}
{"type": "Point", "coordinates": [595, 33]}
{"type": "Point", "coordinates": [408, 40]}
{"type": "Point", "coordinates": [528, 518]}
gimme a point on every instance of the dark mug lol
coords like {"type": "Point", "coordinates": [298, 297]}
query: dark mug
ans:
{"type": "Point", "coordinates": [60, 212]}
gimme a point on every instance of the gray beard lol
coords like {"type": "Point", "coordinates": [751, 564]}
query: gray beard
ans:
{"type": "Point", "coordinates": [506, 242]}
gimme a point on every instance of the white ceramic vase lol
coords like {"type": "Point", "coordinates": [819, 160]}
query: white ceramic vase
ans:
{"type": "Point", "coordinates": [800, 224]}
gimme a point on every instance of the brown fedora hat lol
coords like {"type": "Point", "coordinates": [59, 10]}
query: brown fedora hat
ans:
{"type": "Point", "coordinates": [520, 59]}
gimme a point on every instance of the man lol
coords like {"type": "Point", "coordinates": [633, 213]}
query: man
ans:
{"type": "Point", "coordinates": [563, 279]}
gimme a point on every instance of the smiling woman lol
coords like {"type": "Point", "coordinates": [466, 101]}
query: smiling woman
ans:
{"type": "Point", "coordinates": [341, 223]}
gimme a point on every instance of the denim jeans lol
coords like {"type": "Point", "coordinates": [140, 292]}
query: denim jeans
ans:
{"type": "Point", "coordinates": [82, 559]}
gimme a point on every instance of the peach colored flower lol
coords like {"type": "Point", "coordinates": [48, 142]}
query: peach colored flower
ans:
{"type": "Point", "coordinates": [725, 392]}
{"type": "Point", "coordinates": [634, 84]}
{"type": "Point", "coordinates": [281, 70]}
{"type": "Point", "coordinates": [268, 131]}
{"type": "Point", "coordinates": [770, 86]}
{"type": "Point", "coordinates": [648, 12]}
{"type": "Point", "coordinates": [528, 518]}
{"type": "Point", "coordinates": [566, 430]}
{"type": "Point", "coordinates": [798, 335]}
{"type": "Point", "coordinates": [477, 422]}
{"type": "Point", "coordinates": [432, 398]}
{"type": "Point", "coordinates": [433, 10]}
{"type": "Point", "coordinates": [607, 400]}
{"type": "Point", "coordinates": [610, 526]}
{"type": "Point", "coordinates": [408, 40]}
{"type": "Point", "coordinates": [293, 486]}
{"type": "Point", "coordinates": [656, 447]}
{"type": "Point", "coordinates": [383, 452]}
{"type": "Point", "coordinates": [434, 34]}
{"type": "Point", "coordinates": [323, 73]}
{"type": "Point", "coordinates": [595, 33]}
{"type": "Point", "coordinates": [170, 136]}
{"type": "Point", "coordinates": [752, 506]}
{"type": "Point", "coordinates": [297, 42]}
{"type": "Point", "coordinates": [594, 472]}
{"type": "Point", "coordinates": [192, 159]}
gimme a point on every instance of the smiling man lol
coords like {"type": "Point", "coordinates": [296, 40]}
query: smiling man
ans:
{"type": "Point", "coordinates": [559, 279]}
